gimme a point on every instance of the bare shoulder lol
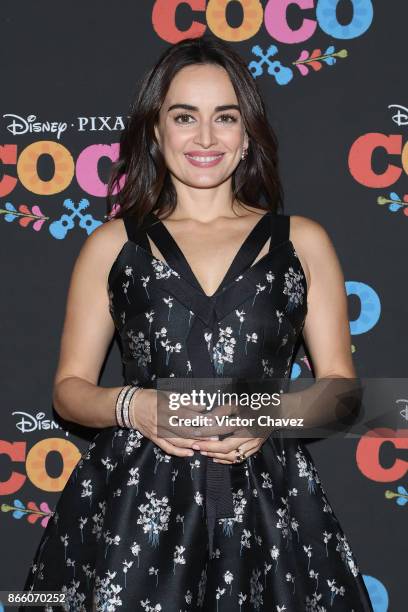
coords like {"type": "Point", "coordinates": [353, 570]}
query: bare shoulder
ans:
{"type": "Point", "coordinates": [305, 229]}
{"type": "Point", "coordinates": [111, 232]}
{"type": "Point", "coordinates": [104, 244]}
{"type": "Point", "coordinates": [312, 243]}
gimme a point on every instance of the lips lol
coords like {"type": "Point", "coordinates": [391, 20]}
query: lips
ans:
{"type": "Point", "coordinates": [204, 159]}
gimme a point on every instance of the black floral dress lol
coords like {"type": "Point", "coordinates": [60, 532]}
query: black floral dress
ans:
{"type": "Point", "coordinates": [138, 529]}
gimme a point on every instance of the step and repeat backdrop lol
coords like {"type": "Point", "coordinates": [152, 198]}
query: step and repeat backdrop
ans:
{"type": "Point", "coordinates": [332, 74]}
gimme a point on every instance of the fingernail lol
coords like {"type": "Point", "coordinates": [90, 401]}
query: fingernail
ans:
{"type": "Point", "coordinates": [213, 437]}
{"type": "Point", "coordinates": [195, 446]}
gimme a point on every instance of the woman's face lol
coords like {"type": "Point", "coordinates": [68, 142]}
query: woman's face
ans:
{"type": "Point", "coordinates": [200, 130]}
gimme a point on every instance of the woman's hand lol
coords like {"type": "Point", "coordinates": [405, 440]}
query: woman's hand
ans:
{"type": "Point", "coordinates": [237, 446]}
{"type": "Point", "coordinates": [228, 450]}
{"type": "Point", "coordinates": [147, 405]}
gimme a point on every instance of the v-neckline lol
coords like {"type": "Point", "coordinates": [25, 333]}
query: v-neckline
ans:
{"type": "Point", "coordinates": [175, 258]}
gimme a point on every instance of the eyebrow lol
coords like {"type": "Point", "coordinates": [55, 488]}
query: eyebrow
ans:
{"type": "Point", "coordinates": [195, 108]}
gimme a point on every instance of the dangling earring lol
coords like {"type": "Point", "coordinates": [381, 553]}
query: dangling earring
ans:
{"type": "Point", "coordinates": [244, 154]}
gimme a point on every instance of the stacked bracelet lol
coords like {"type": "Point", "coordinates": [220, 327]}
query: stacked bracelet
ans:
{"type": "Point", "coordinates": [123, 405]}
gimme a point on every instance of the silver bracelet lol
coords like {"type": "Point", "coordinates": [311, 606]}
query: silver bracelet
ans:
{"type": "Point", "coordinates": [138, 389]}
{"type": "Point", "coordinates": [122, 409]}
{"type": "Point", "coordinates": [120, 406]}
{"type": "Point", "coordinates": [119, 403]}
{"type": "Point", "coordinates": [126, 406]}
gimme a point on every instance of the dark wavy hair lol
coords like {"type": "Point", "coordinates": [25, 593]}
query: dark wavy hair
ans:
{"type": "Point", "coordinates": [141, 167]}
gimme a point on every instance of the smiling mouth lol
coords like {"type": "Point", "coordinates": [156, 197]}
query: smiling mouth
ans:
{"type": "Point", "coordinates": [204, 160]}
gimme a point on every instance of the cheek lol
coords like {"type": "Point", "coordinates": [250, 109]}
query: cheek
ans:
{"type": "Point", "coordinates": [234, 138]}
{"type": "Point", "coordinates": [174, 140]}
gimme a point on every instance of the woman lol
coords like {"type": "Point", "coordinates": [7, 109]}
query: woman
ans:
{"type": "Point", "coordinates": [202, 278]}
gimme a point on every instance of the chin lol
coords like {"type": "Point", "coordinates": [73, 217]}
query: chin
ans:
{"type": "Point", "coordinates": [207, 183]}
{"type": "Point", "coordinates": [204, 180]}
{"type": "Point", "coordinates": [210, 178]}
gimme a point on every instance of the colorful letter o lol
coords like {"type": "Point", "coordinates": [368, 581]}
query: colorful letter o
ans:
{"type": "Point", "coordinates": [251, 23]}
{"type": "Point", "coordinates": [36, 458]}
{"type": "Point", "coordinates": [370, 307]}
{"type": "Point", "coordinates": [27, 167]}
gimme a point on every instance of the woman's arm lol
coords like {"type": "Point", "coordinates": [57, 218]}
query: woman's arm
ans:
{"type": "Point", "coordinates": [336, 394]}
{"type": "Point", "coordinates": [87, 333]}
{"type": "Point", "coordinates": [326, 330]}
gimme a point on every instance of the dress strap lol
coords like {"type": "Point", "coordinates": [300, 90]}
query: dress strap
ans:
{"type": "Point", "coordinates": [137, 234]}
{"type": "Point", "coordinates": [250, 248]}
{"type": "Point", "coordinates": [280, 229]}
{"type": "Point", "coordinates": [153, 228]}
{"type": "Point", "coordinates": [272, 225]}
{"type": "Point", "coordinates": [166, 244]}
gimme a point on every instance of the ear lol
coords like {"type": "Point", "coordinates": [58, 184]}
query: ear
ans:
{"type": "Point", "coordinates": [156, 133]}
{"type": "Point", "coordinates": [246, 140]}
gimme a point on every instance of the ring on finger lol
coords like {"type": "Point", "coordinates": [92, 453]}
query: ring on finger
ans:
{"type": "Point", "coordinates": [240, 455]}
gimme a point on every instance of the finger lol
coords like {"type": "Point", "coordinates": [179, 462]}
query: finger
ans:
{"type": "Point", "coordinates": [224, 410]}
{"type": "Point", "coordinates": [238, 434]}
{"type": "Point", "coordinates": [187, 433]}
{"type": "Point", "coordinates": [177, 425]}
{"type": "Point", "coordinates": [251, 446]}
{"type": "Point", "coordinates": [213, 429]}
{"type": "Point", "coordinates": [180, 442]}
{"type": "Point", "coordinates": [221, 446]}
{"type": "Point", "coordinates": [166, 404]}
{"type": "Point", "coordinates": [235, 459]}
{"type": "Point", "coordinates": [232, 458]}
{"type": "Point", "coordinates": [171, 449]}
{"type": "Point", "coordinates": [228, 444]}
{"type": "Point", "coordinates": [189, 411]}
{"type": "Point", "coordinates": [167, 429]}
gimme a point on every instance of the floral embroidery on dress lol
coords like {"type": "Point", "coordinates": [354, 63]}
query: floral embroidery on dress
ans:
{"type": "Point", "coordinates": [163, 270]}
{"type": "Point", "coordinates": [139, 347]}
{"type": "Point", "coordinates": [223, 350]}
{"type": "Point", "coordinates": [154, 516]}
{"type": "Point", "coordinates": [294, 288]}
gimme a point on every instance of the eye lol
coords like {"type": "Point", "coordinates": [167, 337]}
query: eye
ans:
{"type": "Point", "coordinates": [182, 116]}
{"type": "Point", "coordinates": [228, 118]}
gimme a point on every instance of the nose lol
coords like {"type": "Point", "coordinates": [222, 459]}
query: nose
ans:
{"type": "Point", "coordinates": [205, 134]}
